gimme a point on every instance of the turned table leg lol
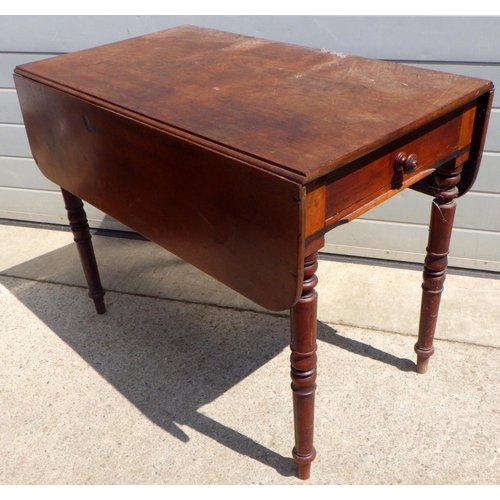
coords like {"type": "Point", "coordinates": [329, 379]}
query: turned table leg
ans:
{"type": "Point", "coordinates": [436, 261]}
{"type": "Point", "coordinates": [303, 367]}
{"type": "Point", "coordinates": [80, 228]}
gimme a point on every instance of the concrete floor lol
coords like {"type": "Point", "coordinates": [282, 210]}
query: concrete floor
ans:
{"type": "Point", "coordinates": [185, 382]}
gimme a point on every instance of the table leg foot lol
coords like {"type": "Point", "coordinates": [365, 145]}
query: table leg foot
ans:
{"type": "Point", "coordinates": [99, 304]}
{"type": "Point", "coordinates": [80, 228]}
{"type": "Point", "coordinates": [304, 471]}
{"type": "Point", "coordinates": [436, 260]}
{"type": "Point", "coordinates": [303, 317]}
{"type": "Point", "coordinates": [422, 364]}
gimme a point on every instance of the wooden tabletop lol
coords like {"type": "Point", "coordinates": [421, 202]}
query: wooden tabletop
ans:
{"type": "Point", "coordinates": [299, 111]}
{"type": "Point", "coordinates": [229, 151]}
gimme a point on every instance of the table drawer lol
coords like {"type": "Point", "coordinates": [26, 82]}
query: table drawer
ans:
{"type": "Point", "coordinates": [366, 182]}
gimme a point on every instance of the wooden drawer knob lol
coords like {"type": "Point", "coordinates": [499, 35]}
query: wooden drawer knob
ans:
{"type": "Point", "coordinates": [406, 163]}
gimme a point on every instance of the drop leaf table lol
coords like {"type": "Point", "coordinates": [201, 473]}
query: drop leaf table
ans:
{"type": "Point", "coordinates": [238, 154]}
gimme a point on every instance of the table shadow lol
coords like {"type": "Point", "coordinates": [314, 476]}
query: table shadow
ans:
{"type": "Point", "coordinates": [143, 353]}
{"type": "Point", "coordinates": [328, 334]}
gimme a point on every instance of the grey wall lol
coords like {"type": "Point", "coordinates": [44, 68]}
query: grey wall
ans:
{"type": "Point", "coordinates": [395, 230]}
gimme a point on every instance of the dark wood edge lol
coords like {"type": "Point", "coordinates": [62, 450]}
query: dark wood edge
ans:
{"type": "Point", "coordinates": [471, 166]}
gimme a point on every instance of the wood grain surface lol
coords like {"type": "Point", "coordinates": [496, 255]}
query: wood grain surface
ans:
{"type": "Point", "coordinates": [303, 110]}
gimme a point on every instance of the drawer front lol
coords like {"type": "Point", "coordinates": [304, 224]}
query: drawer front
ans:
{"type": "Point", "coordinates": [365, 183]}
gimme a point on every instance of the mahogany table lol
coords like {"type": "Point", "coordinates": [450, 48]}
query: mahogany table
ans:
{"type": "Point", "coordinates": [238, 154]}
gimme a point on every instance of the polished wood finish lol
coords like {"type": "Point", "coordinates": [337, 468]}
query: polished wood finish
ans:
{"type": "Point", "coordinates": [303, 111]}
{"type": "Point", "coordinates": [303, 366]}
{"type": "Point", "coordinates": [443, 212]}
{"type": "Point", "coordinates": [239, 154]}
{"type": "Point", "coordinates": [222, 214]}
{"type": "Point", "coordinates": [81, 234]}
{"type": "Point", "coordinates": [368, 181]}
